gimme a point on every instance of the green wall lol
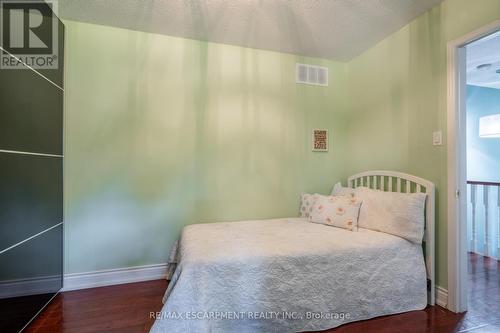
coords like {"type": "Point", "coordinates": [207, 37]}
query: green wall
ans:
{"type": "Point", "coordinates": [161, 132]}
{"type": "Point", "coordinates": [398, 98]}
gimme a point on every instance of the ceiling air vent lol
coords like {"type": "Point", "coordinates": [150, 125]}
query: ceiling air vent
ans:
{"type": "Point", "coordinates": [309, 74]}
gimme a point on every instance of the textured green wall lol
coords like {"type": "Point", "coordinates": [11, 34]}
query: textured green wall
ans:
{"type": "Point", "coordinates": [161, 132]}
{"type": "Point", "coordinates": [398, 98]}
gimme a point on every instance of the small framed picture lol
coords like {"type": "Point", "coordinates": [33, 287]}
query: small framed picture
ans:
{"type": "Point", "coordinates": [320, 140]}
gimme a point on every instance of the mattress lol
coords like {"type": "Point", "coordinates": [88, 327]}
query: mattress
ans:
{"type": "Point", "coordinates": [288, 275]}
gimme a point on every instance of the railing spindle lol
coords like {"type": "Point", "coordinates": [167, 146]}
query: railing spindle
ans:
{"type": "Point", "coordinates": [486, 222]}
{"type": "Point", "coordinates": [473, 203]}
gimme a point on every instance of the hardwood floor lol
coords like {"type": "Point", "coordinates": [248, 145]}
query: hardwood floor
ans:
{"type": "Point", "coordinates": [116, 309]}
{"type": "Point", "coordinates": [125, 308]}
{"type": "Point", "coordinates": [483, 294]}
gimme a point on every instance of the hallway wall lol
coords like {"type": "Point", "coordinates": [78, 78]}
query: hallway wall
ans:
{"type": "Point", "coordinates": [483, 154]}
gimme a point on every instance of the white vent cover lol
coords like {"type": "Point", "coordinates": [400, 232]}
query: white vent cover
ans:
{"type": "Point", "coordinates": [310, 74]}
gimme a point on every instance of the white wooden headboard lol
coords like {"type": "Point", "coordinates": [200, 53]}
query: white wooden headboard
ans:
{"type": "Point", "coordinates": [392, 181]}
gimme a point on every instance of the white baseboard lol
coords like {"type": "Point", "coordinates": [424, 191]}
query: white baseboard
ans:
{"type": "Point", "coordinates": [441, 296]}
{"type": "Point", "coordinates": [109, 277]}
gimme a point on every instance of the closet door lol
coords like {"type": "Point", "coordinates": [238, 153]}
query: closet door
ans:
{"type": "Point", "coordinates": [31, 190]}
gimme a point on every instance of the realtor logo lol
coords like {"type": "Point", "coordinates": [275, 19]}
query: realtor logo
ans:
{"type": "Point", "coordinates": [29, 34]}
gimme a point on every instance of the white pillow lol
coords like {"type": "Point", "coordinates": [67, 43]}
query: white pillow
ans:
{"type": "Point", "coordinates": [306, 204]}
{"type": "Point", "coordinates": [400, 214]}
{"type": "Point", "coordinates": [338, 189]}
{"type": "Point", "coordinates": [337, 211]}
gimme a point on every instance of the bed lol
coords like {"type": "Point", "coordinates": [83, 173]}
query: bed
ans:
{"type": "Point", "coordinates": [290, 275]}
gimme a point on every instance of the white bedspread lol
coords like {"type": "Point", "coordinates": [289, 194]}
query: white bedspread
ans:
{"type": "Point", "coordinates": [273, 275]}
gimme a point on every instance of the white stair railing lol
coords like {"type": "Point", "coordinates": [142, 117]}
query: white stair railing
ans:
{"type": "Point", "coordinates": [482, 225]}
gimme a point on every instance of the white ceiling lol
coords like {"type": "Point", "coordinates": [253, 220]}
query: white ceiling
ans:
{"type": "Point", "coordinates": [334, 29]}
{"type": "Point", "coordinates": [482, 52]}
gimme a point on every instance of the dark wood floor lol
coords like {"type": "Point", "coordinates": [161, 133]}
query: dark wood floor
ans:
{"type": "Point", "coordinates": [125, 308]}
{"type": "Point", "coordinates": [117, 309]}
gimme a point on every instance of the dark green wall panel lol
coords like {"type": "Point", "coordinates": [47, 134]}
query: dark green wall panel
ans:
{"type": "Point", "coordinates": [31, 113]}
{"type": "Point", "coordinates": [47, 32]}
{"type": "Point", "coordinates": [31, 188]}
{"type": "Point", "coordinates": [31, 274]}
{"type": "Point", "coordinates": [31, 196]}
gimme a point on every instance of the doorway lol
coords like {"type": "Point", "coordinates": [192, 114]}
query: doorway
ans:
{"type": "Point", "coordinates": [472, 234]}
{"type": "Point", "coordinates": [483, 178]}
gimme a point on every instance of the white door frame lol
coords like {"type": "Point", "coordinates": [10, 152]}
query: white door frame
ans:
{"type": "Point", "coordinates": [457, 167]}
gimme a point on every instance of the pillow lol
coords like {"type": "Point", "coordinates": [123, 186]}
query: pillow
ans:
{"type": "Point", "coordinates": [306, 203]}
{"type": "Point", "coordinates": [399, 214]}
{"type": "Point", "coordinates": [337, 211]}
{"type": "Point", "coordinates": [338, 189]}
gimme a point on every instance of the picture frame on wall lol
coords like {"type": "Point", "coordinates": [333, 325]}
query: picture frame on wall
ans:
{"type": "Point", "coordinates": [320, 140]}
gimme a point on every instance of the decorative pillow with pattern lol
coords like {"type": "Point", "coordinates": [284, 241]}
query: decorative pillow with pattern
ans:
{"type": "Point", "coordinates": [337, 211]}
{"type": "Point", "coordinates": [306, 204]}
